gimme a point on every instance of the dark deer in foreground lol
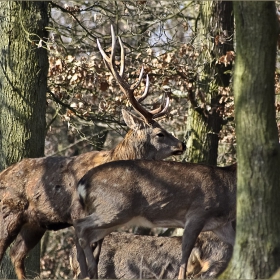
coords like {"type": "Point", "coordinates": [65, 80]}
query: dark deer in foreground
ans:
{"type": "Point", "coordinates": [154, 194]}
{"type": "Point", "coordinates": [36, 194]}
{"type": "Point", "coordinates": [129, 256]}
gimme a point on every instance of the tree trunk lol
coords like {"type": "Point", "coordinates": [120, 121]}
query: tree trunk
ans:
{"type": "Point", "coordinates": [257, 248]}
{"type": "Point", "coordinates": [23, 84]}
{"type": "Point", "coordinates": [204, 119]}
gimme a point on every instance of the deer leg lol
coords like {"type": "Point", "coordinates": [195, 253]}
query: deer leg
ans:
{"type": "Point", "coordinates": [6, 238]}
{"type": "Point", "coordinates": [92, 229]}
{"type": "Point", "coordinates": [92, 264]}
{"type": "Point", "coordinates": [81, 258]}
{"type": "Point", "coordinates": [97, 249]}
{"type": "Point", "coordinates": [87, 260]}
{"type": "Point", "coordinates": [27, 238]}
{"type": "Point", "coordinates": [5, 242]}
{"type": "Point", "coordinates": [193, 227]}
{"type": "Point", "coordinates": [10, 225]}
{"type": "Point", "coordinates": [89, 231]}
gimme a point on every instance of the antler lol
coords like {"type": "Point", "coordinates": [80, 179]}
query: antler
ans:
{"type": "Point", "coordinates": [129, 89]}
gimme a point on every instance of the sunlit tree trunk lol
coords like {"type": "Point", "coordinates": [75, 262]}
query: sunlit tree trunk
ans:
{"type": "Point", "coordinates": [23, 83]}
{"type": "Point", "coordinates": [257, 248]}
{"type": "Point", "coordinates": [205, 122]}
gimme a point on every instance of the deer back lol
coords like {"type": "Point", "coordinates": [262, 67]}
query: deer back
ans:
{"type": "Point", "coordinates": [160, 192]}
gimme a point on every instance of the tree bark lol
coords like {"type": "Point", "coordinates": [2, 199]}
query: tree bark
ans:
{"type": "Point", "coordinates": [257, 248]}
{"type": "Point", "coordinates": [23, 85]}
{"type": "Point", "coordinates": [204, 124]}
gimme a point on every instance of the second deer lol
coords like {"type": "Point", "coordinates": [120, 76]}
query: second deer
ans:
{"type": "Point", "coordinates": [154, 257]}
{"type": "Point", "coordinates": [36, 193]}
{"type": "Point", "coordinates": [153, 194]}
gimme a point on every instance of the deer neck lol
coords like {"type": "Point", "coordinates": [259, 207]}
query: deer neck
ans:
{"type": "Point", "coordinates": [131, 147]}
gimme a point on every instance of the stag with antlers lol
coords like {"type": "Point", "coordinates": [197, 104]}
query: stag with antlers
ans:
{"type": "Point", "coordinates": [36, 193]}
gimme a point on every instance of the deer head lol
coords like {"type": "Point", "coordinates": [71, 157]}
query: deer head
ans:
{"type": "Point", "coordinates": [151, 140]}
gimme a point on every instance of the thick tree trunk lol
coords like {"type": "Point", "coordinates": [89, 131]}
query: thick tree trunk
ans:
{"type": "Point", "coordinates": [257, 248]}
{"type": "Point", "coordinates": [23, 84]}
{"type": "Point", "coordinates": [203, 123]}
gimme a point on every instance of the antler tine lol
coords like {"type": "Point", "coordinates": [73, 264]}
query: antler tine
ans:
{"type": "Point", "coordinates": [122, 56]}
{"type": "Point", "coordinates": [160, 108]}
{"type": "Point", "coordinates": [110, 61]}
{"type": "Point", "coordinates": [159, 112]}
{"type": "Point", "coordinates": [145, 94]}
{"type": "Point", "coordinates": [133, 87]}
{"type": "Point", "coordinates": [113, 50]}
{"type": "Point", "coordinates": [104, 55]}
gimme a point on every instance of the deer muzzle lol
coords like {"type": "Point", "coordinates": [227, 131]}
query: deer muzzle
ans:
{"type": "Point", "coordinates": [180, 149]}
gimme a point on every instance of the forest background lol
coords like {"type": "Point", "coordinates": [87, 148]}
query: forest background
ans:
{"type": "Point", "coordinates": [188, 50]}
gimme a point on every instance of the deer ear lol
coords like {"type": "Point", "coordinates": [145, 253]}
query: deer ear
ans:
{"type": "Point", "coordinates": [132, 121]}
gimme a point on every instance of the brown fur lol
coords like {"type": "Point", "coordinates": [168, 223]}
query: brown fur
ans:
{"type": "Point", "coordinates": [209, 257]}
{"type": "Point", "coordinates": [129, 256]}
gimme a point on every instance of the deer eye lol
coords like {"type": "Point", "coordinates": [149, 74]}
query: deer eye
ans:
{"type": "Point", "coordinates": [160, 135]}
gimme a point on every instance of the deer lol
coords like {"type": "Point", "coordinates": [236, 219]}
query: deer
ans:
{"type": "Point", "coordinates": [145, 193]}
{"type": "Point", "coordinates": [157, 257]}
{"type": "Point", "coordinates": [135, 257]}
{"type": "Point", "coordinates": [36, 193]}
